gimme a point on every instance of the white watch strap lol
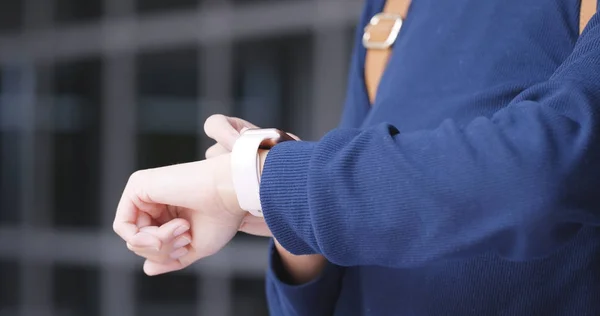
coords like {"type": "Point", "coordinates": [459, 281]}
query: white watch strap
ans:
{"type": "Point", "coordinates": [245, 166]}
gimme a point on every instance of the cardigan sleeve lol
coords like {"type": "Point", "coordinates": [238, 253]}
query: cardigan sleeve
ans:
{"type": "Point", "coordinates": [319, 296]}
{"type": "Point", "coordinates": [520, 183]}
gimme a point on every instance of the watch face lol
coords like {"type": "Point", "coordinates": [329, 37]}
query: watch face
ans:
{"type": "Point", "coordinates": [272, 136]}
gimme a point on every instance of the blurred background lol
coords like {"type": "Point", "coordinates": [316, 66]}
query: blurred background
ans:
{"type": "Point", "coordinates": [92, 90]}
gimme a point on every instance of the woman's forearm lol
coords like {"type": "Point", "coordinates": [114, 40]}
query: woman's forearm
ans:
{"type": "Point", "coordinates": [301, 269]}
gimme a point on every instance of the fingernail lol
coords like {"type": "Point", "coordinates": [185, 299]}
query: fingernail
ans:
{"type": "Point", "coordinates": [180, 230]}
{"type": "Point", "coordinates": [178, 253]}
{"type": "Point", "coordinates": [181, 242]}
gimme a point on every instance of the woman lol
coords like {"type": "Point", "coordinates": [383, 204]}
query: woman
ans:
{"type": "Point", "coordinates": [461, 181]}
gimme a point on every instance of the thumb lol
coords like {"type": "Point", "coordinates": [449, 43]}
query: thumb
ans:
{"type": "Point", "coordinates": [225, 130]}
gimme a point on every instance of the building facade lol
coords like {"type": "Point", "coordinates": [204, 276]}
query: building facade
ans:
{"type": "Point", "coordinates": [93, 90]}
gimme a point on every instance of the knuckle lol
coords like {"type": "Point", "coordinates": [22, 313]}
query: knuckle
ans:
{"type": "Point", "coordinates": [136, 190]}
{"type": "Point", "coordinates": [135, 177]}
{"type": "Point", "coordinates": [212, 120]}
{"type": "Point", "coordinates": [116, 228]}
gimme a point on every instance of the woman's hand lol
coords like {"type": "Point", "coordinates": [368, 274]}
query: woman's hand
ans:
{"type": "Point", "coordinates": [176, 215]}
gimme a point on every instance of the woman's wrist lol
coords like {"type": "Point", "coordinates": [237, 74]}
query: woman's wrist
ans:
{"type": "Point", "coordinates": [300, 269]}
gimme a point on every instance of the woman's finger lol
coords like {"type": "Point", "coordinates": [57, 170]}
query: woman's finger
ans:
{"type": "Point", "coordinates": [185, 258]}
{"type": "Point", "coordinates": [172, 236]}
{"type": "Point", "coordinates": [216, 150]}
{"type": "Point", "coordinates": [155, 268]}
{"type": "Point", "coordinates": [164, 249]}
{"type": "Point", "coordinates": [168, 252]}
{"type": "Point", "coordinates": [142, 240]}
{"type": "Point", "coordinates": [168, 231]}
{"type": "Point", "coordinates": [225, 130]}
{"type": "Point", "coordinates": [144, 220]}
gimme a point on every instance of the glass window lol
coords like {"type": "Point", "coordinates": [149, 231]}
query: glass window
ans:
{"type": "Point", "coordinates": [10, 176]}
{"type": "Point", "coordinates": [77, 10]}
{"type": "Point", "coordinates": [157, 6]}
{"type": "Point", "coordinates": [269, 79]}
{"type": "Point", "coordinates": [250, 2]}
{"type": "Point", "coordinates": [169, 294]}
{"type": "Point", "coordinates": [10, 151]}
{"type": "Point", "coordinates": [76, 290]}
{"type": "Point", "coordinates": [11, 15]}
{"type": "Point", "coordinates": [9, 287]}
{"type": "Point", "coordinates": [249, 297]}
{"type": "Point", "coordinates": [167, 110]}
{"type": "Point", "coordinates": [167, 107]}
{"type": "Point", "coordinates": [75, 115]}
{"type": "Point", "coordinates": [271, 84]}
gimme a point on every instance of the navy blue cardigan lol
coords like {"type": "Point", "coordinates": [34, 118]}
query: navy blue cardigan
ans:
{"type": "Point", "coordinates": [471, 187]}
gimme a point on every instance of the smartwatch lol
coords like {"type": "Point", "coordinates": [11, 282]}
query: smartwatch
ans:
{"type": "Point", "coordinates": [245, 164]}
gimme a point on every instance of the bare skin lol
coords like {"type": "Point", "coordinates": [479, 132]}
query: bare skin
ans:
{"type": "Point", "coordinates": [175, 215]}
